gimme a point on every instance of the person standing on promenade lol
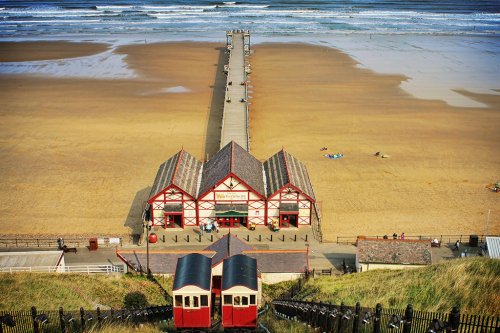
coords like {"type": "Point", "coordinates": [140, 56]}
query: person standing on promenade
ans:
{"type": "Point", "coordinates": [403, 236]}
{"type": "Point", "coordinates": [457, 245]}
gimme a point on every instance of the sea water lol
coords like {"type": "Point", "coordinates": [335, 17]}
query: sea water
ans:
{"type": "Point", "coordinates": [282, 17]}
{"type": "Point", "coordinates": [439, 45]}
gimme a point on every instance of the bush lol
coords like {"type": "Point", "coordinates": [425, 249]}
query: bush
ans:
{"type": "Point", "coordinates": [135, 300]}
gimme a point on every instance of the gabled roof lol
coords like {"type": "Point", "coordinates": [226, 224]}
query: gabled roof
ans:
{"type": "Point", "coordinates": [193, 270]}
{"type": "Point", "coordinates": [394, 251]}
{"type": "Point", "coordinates": [280, 261]}
{"type": "Point", "coordinates": [232, 158]}
{"type": "Point", "coordinates": [239, 270]}
{"type": "Point", "coordinates": [493, 245]}
{"type": "Point", "coordinates": [181, 170]}
{"type": "Point", "coordinates": [282, 169]}
{"type": "Point", "coordinates": [160, 262]}
{"type": "Point", "coordinates": [227, 246]}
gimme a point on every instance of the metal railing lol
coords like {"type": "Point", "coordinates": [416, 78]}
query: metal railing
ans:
{"type": "Point", "coordinates": [443, 239]}
{"type": "Point", "coordinates": [345, 319]}
{"type": "Point", "coordinates": [86, 269]}
{"type": "Point", "coordinates": [48, 242]}
{"type": "Point", "coordinates": [78, 320]}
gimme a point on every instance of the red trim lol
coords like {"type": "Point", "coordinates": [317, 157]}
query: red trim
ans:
{"type": "Point", "coordinates": [223, 180]}
{"type": "Point", "coordinates": [177, 165]}
{"type": "Point", "coordinates": [150, 201]}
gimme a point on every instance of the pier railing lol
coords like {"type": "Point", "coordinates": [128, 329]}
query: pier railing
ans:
{"type": "Point", "coordinates": [443, 239]}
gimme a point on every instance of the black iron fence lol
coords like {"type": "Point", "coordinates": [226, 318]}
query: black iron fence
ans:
{"type": "Point", "coordinates": [53, 242]}
{"type": "Point", "coordinates": [77, 321]}
{"type": "Point", "coordinates": [443, 239]}
{"type": "Point", "coordinates": [345, 319]}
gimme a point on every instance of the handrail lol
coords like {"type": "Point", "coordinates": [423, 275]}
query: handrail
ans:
{"type": "Point", "coordinates": [88, 269]}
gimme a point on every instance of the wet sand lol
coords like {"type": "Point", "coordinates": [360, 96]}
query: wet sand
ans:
{"type": "Point", "coordinates": [80, 155]}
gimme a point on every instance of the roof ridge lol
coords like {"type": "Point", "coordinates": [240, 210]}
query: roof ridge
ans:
{"type": "Point", "coordinates": [177, 165]}
{"type": "Point", "coordinates": [231, 165]}
{"type": "Point", "coordinates": [286, 165]}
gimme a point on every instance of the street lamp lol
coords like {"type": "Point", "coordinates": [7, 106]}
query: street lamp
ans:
{"type": "Point", "coordinates": [148, 227]}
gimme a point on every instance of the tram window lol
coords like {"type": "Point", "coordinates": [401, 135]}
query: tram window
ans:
{"type": "Point", "coordinates": [187, 304]}
{"type": "Point", "coordinates": [252, 300]}
{"type": "Point", "coordinates": [228, 299]}
{"type": "Point", "coordinates": [244, 300]}
{"type": "Point", "coordinates": [196, 302]}
{"type": "Point", "coordinates": [204, 300]}
{"type": "Point", "coordinates": [178, 300]}
{"type": "Point", "coordinates": [237, 300]}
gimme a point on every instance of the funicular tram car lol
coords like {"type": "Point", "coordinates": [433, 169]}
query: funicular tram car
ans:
{"type": "Point", "coordinates": [192, 292]}
{"type": "Point", "coordinates": [239, 292]}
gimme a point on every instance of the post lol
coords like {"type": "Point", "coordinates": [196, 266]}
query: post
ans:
{"type": "Point", "coordinates": [199, 238]}
{"type": "Point", "coordinates": [378, 314]}
{"type": "Point", "coordinates": [306, 237]}
{"type": "Point", "coordinates": [147, 248]}
{"type": "Point", "coordinates": [163, 238]}
{"type": "Point", "coordinates": [176, 238]}
{"type": "Point", "coordinates": [341, 318]}
{"type": "Point", "coordinates": [82, 319]}
{"type": "Point", "coordinates": [260, 238]}
{"type": "Point", "coordinates": [61, 320]}
{"type": "Point", "coordinates": [271, 237]}
{"type": "Point", "coordinates": [355, 324]}
{"type": "Point", "coordinates": [99, 319]}
{"type": "Point", "coordinates": [453, 320]}
{"type": "Point", "coordinates": [408, 319]}
{"type": "Point", "coordinates": [283, 237]}
{"type": "Point", "coordinates": [33, 317]}
{"type": "Point", "coordinates": [187, 238]}
{"type": "Point", "coordinates": [212, 238]}
{"type": "Point", "coordinates": [295, 237]}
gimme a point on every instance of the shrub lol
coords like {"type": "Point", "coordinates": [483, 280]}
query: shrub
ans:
{"type": "Point", "coordinates": [135, 299]}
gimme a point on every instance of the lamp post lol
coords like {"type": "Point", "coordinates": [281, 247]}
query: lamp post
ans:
{"type": "Point", "coordinates": [148, 227]}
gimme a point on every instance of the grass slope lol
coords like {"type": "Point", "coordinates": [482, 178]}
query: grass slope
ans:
{"type": "Point", "coordinates": [20, 291]}
{"type": "Point", "coordinates": [471, 283]}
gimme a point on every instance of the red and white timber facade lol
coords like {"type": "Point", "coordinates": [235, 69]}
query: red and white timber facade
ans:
{"type": "Point", "coordinates": [172, 201]}
{"type": "Point", "coordinates": [233, 188]}
{"type": "Point", "coordinates": [290, 193]}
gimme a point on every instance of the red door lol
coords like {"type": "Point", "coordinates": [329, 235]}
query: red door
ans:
{"type": "Point", "coordinates": [231, 222]}
{"type": "Point", "coordinates": [227, 310]}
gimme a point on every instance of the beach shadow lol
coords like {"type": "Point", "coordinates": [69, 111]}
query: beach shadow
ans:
{"type": "Point", "coordinates": [134, 216]}
{"type": "Point", "coordinates": [214, 123]}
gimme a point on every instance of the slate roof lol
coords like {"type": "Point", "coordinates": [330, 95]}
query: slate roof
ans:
{"type": "Point", "coordinates": [160, 262]}
{"type": "Point", "coordinates": [30, 259]}
{"type": "Point", "coordinates": [181, 170]}
{"type": "Point", "coordinates": [193, 270]}
{"type": "Point", "coordinates": [282, 169]}
{"type": "Point", "coordinates": [232, 158]}
{"type": "Point", "coordinates": [280, 261]}
{"type": "Point", "coordinates": [239, 270]}
{"type": "Point", "coordinates": [227, 246]}
{"type": "Point", "coordinates": [394, 251]}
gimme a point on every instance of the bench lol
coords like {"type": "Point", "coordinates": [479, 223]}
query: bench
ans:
{"type": "Point", "coordinates": [68, 249]}
{"type": "Point", "coordinates": [438, 244]}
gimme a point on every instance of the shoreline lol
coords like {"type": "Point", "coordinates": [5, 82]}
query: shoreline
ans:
{"type": "Point", "coordinates": [435, 69]}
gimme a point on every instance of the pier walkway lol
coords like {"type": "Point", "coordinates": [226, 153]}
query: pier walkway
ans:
{"type": "Point", "coordinates": [235, 117]}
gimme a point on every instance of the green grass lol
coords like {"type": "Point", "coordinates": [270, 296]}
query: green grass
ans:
{"type": "Point", "coordinates": [21, 291]}
{"type": "Point", "coordinates": [278, 325]}
{"type": "Point", "coordinates": [471, 283]}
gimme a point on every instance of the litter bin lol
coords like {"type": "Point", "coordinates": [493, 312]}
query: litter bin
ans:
{"type": "Point", "coordinates": [93, 246]}
{"type": "Point", "coordinates": [153, 238]}
{"type": "Point", "coordinates": [473, 240]}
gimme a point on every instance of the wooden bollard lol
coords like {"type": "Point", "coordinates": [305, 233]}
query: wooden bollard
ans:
{"type": "Point", "coordinates": [163, 238]}
{"type": "Point", "coordinates": [260, 238]}
{"type": "Point", "coordinates": [306, 238]}
{"type": "Point", "coordinates": [176, 238]}
{"type": "Point", "coordinates": [199, 238]}
{"type": "Point", "coordinates": [271, 237]}
{"type": "Point", "coordinates": [211, 238]}
{"type": "Point", "coordinates": [187, 238]}
{"type": "Point", "coordinates": [295, 237]}
{"type": "Point", "coordinates": [283, 238]}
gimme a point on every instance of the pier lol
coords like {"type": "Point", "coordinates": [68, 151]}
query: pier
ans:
{"type": "Point", "coordinates": [235, 117]}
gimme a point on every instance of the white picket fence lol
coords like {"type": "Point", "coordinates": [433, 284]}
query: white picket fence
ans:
{"type": "Point", "coordinates": [85, 269]}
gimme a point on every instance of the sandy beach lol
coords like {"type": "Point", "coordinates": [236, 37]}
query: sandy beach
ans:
{"type": "Point", "coordinates": [442, 157]}
{"type": "Point", "coordinates": [79, 155]}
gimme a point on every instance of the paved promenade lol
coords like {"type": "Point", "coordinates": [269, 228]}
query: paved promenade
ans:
{"type": "Point", "coordinates": [235, 118]}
